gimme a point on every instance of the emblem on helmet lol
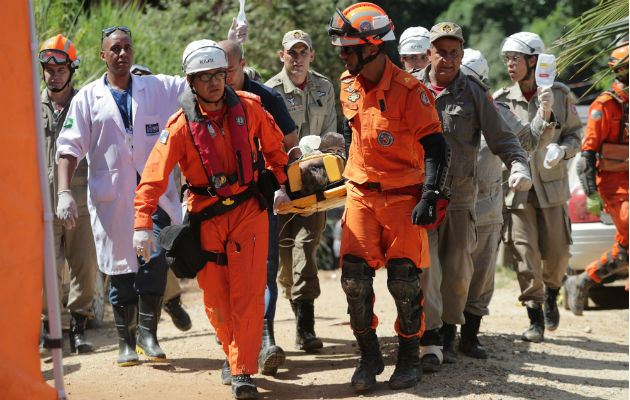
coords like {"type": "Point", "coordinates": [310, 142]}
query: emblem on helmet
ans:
{"type": "Point", "coordinates": [365, 26]}
{"type": "Point", "coordinates": [447, 28]}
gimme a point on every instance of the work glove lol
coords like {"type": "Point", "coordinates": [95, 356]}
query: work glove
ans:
{"type": "Point", "coordinates": [143, 243]}
{"type": "Point", "coordinates": [66, 209]}
{"type": "Point", "coordinates": [555, 153]}
{"type": "Point", "coordinates": [595, 204]}
{"type": "Point", "coordinates": [545, 98]}
{"type": "Point", "coordinates": [279, 197]}
{"type": "Point", "coordinates": [426, 211]}
{"type": "Point", "coordinates": [518, 181]}
{"type": "Point", "coordinates": [237, 33]}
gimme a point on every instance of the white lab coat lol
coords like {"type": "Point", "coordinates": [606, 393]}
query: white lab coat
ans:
{"type": "Point", "coordinates": [94, 129]}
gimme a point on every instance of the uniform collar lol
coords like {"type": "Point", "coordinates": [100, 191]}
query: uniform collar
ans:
{"type": "Point", "coordinates": [383, 85]}
{"type": "Point", "coordinates": [514, 93]}
{"type": "Point", "coordinates": [457, 87]}
{"type": "Point", "coordinates": [289, 86]}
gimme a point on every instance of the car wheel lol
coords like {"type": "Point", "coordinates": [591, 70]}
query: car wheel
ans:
{"type": "Point", "coordinates": [100, 299]}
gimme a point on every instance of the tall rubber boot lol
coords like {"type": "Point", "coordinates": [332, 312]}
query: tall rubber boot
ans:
{"type": "Point", "coordinates": [577, 289]}
{"type": "Point", "coordinates": [78, 342]}
{"type": "Point", "coordinates": [180, 317]}
{"type": "Point", "coordinates": [550, 309]}
{"type": "Point", "coordinates": [270, 356]}
{"type": "Point", "coordinates": [448, 332]}
{"type": "Point", "coordinates": [408, 369]}
{"type": "Point", "coordinates": [125, 320]}
{"type": "Point", "coordinates": [371, 361]}
{"type": "Point", "coordinates": [536, 331]}
{"type": "Point", "coordinates": [469, 343]}
{"type": "Point", "coordinates": [305, 338]}
{"type": "Point", "coordinates": [149, 307]}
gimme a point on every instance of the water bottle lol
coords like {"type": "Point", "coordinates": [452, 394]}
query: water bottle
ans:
{"type": "Point", "coordinates": [240, 18]}
{"type": "Point", "coordinates": [545, 70]}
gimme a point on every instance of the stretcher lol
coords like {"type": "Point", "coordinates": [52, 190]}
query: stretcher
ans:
{"type": "Point", "coordinates": [331, 196]}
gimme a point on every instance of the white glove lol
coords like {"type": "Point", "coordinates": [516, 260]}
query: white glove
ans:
{"type": "Point", "coordinates": [238, 34]}
{"type": "Point", "coordinates": [66, 209]}
{"type": "Point", "coordinates": [545, 98]}
{"type": "Point", "coordinates": [555, 153]}
{"type": "Point", "coordinates": [280, 197]}
{"type": "Point", "coordinates": [143, 243]}
{"type": "Point", "coordinates": [518, 181]}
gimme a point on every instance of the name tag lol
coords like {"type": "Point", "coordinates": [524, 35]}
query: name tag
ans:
{"type": "Point", "coordinates": [152, 129]}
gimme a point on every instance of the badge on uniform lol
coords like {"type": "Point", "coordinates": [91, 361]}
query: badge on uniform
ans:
{"type": "Point", "coordinates": [321, 94]}
{"type": "Point", "coordinates": [291, 100]}
{"type": "Point", "coordinates": [349, 89]}
{"type": "Point", "coordinates": [385, 139]}
{"type": "Point", "coordinates": [163, 136]}
{"type": "Point", "coordinates": [68, 123]}
{"type": "Point", "coordinates": [596, 114]}
{"type": "Point", "coordinates": [424, 98]}
{"type": "Point", "coordinates": [240, 121]}
{"type": "Point", "coordinates": [152, 129]}
{"type": "Point", "coordinates": [353, 97]}
{"type": "Point", "coordinates": [348, 80]}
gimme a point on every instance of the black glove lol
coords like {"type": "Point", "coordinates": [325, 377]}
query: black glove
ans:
{"type": "Point", "coordinates": [425, 212]}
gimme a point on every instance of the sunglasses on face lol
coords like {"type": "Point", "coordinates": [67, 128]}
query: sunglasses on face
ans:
{"type": "Point", "coordinates": [108, 31]}
{"type": "Point", "coordinates": [207, 76]}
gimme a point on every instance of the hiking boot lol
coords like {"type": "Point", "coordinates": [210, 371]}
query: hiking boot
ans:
{"type": "Point", "coordinates": [408, 370]}
{"type": "Point", "coordinates": [305, 338]}
{"type": "Point", "coordinates": [243, 387]}
{"type": "Point", "coordinates": [180, 317]}
{"type": "Point", "coordinates": [371, 361]}
{"type": "Point", "coordinates": [448, 332]}
{"type": "Point", "coordinates": [536, 330]}
{"type": "Point", "coordinates": [577, 291]}
{"type": "Point", "coordinates": [78, 343]}
{"type": "Point", "coordinates": [550, 309]}
{"type": "Point", "coordinates": [469, 343]}
{"type": "Point", "coordinates": [270, 356]}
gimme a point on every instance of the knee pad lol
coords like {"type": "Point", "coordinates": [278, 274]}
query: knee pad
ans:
{"type": "Point", "coordinates": [404, 285]}
{"type": "Point", "coordinates": [356, 280]}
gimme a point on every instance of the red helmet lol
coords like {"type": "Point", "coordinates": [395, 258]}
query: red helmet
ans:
{"type": "Point", "coordinates": [360, 23]}
{"type": "Point", "coordinates": [618, 56]}
{"type": "Point", "coordinates": [59, 50]}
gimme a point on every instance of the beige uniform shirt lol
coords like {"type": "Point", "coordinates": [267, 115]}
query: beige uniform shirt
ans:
{"type": "Point", "coordinates": [52, 122]}
{"type": "Point", "coordinates": [312, 109]}
{"type": "Point", "coordinates": [550, 186]}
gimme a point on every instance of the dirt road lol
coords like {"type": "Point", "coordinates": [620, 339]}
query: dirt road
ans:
{"type": "Point", "coordinates": [586, 358]}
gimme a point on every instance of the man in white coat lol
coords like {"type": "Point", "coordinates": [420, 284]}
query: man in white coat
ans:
{"type": "Point", "coordinates": [114, 122]}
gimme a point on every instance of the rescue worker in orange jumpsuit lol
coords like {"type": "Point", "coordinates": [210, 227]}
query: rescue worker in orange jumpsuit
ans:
{"type": "Point", "coordinates": [222, 140]}
{"type": "Point", "coordinates": [398, 161]}
{"type": "Point", "coordinates": [607, 189]}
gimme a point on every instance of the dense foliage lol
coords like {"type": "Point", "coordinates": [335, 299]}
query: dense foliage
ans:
{"type": "Point", "coordinates": [162, 28]}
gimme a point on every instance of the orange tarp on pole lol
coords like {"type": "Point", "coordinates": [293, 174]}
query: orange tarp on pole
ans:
{"type": "Point", "coordinates": [21, 212]}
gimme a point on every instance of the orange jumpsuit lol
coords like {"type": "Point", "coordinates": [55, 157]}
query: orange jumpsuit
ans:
{"type": "Point", "coordinates": [387, 123]}
{"type": "Point", "coordinates": [605, 115]}
{"type": "Point", "coordinates": [233, 294]}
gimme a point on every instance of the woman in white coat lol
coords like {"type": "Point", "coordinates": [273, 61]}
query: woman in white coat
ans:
{"type": "Point", "coordinates": [114, 122]}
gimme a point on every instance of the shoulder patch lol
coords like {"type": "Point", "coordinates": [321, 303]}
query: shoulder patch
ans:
{"type": "Point", "coordinates": [424, 98]}
{"type": "Point", "coordinates": [68, 123]}
{"type": "Point", "coordinates": [562, 86]}
{"type": "Point", "coordinates": [500, 92]}
{"type": "Point", "coordinates": [595, 114]}
{"type": "Point", "coordinates": [163, 136]}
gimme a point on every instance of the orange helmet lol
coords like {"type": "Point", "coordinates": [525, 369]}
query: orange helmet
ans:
{"type": "Point", "coordinates": [360, 23]}
{"type": "Point", "coordinates": [618, 56]}
{"type": "Point", "coordinates": [59, 50]}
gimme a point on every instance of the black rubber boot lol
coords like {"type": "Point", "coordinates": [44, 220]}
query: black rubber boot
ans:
{"type": "Point", "coordinates": [305, 338]}
{"type": "Point", "coordinates": [577, 291]}
{"type": "Point", "coordinates": [243, 387]}
{"type": "Point", "coordinates": [550, 309]}
{"type": "Point", "coordinates": [431, 362]}
{"type": "Point", "coordinates": [408, 369]}
{"type": "Point", "coordinates": [536, 331]}
{"type": "Point", "coordinates": [226, 374]}
{"type": "Point", "coordinates": [149, 307]}
{"type": "Point", "coordinates": [125, 320]}
{"type": "Point", "coordinates": [469, 343]}
{"type": "Point", "coordinates": [448, 332]}
{"type": "Point", "coordinates": [78, 342]}
{"type": "Point", "coordinates": [180, 317]}
{"type": "Point", "coordinates": [371, 361]}
{"type": "Point", "coordinates": [270, 356]}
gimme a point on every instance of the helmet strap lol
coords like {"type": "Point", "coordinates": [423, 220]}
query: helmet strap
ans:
{"type": "Point", "coordinates": [55, 90]}
{"type": "Point", "coordinates": [192, 89]}
{"type": "Point", "coordinates": [530, 69]}
{"type": "Point", "coordinates": [361, 61]}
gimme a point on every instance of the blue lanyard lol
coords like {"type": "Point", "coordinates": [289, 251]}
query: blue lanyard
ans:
{"type": "Point", "coordinates": [127, 115]}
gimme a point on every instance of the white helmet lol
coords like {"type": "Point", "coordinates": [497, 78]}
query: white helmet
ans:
{"type": "Point", "coordinates": [414, 40]}
{"type": "Point", "coordinates": [203, 55]}
{"type": "Point", "coordinates": [523, 42]}
{"type": "Point", "coordinates": [474, 63]}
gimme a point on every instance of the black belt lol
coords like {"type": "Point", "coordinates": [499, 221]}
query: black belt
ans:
{"type": "Point", "coordinates": [224, 204]}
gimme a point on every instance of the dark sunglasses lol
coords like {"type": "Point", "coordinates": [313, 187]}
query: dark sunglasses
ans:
{"type": "Point", "coordinates": [108, 31]}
